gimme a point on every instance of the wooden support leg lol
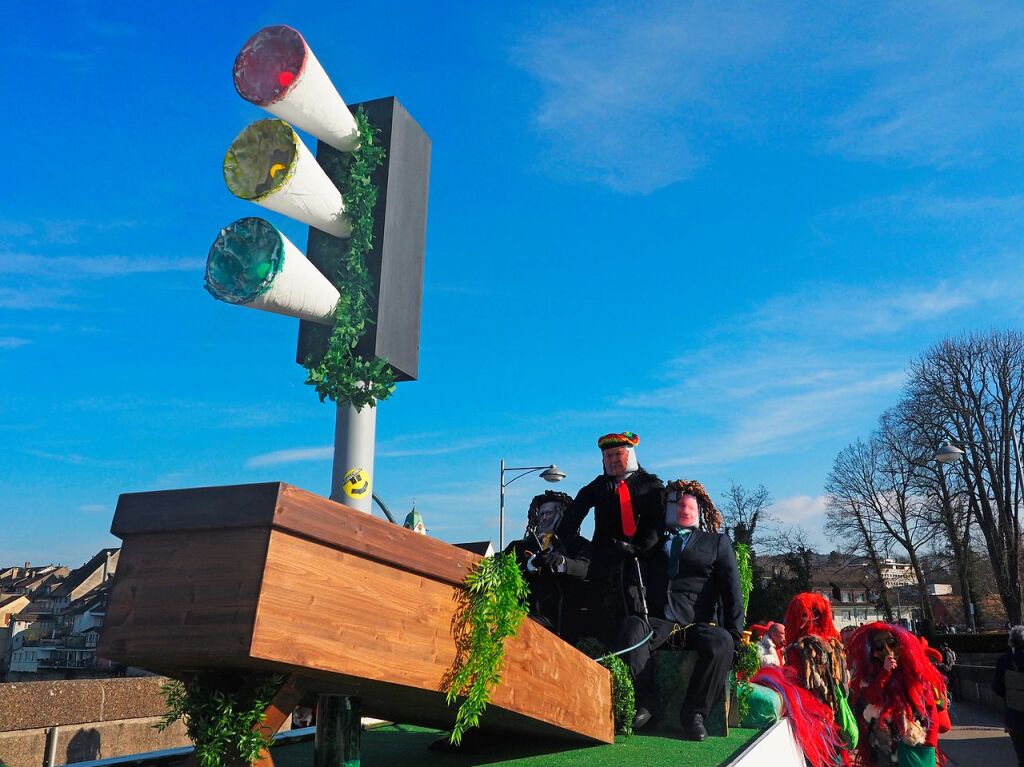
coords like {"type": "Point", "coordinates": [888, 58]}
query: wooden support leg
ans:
{"type": "Point", "coordinates": [277, 714]}
{"type": "Point", "coordinates": [338, 731]}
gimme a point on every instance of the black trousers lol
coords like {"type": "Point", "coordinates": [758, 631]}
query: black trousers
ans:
{"type": "Point", "coordinates": [1017, 737]}
{"type": "Point", "coordinates": [714, 647]}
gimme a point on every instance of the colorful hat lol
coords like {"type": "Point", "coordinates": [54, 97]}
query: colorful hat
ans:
{"type": "Point", "coordinates": [625, 439]}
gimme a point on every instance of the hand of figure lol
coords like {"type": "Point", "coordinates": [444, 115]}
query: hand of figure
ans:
{"type": "Point", "coordinates": [890, 664]}
{"type": "Point", "coordinates": [624, 549]}
{"type": "Point", "coordinates": [549, 559]}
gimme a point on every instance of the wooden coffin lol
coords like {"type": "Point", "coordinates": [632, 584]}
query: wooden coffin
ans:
{"type": "Point", "coordinates": [268, 576]}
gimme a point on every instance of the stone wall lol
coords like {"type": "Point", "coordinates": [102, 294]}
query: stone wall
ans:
{"type": "Point", "coordinates": [974, 684]}
{"type": "Point", "coordinates": [94, 719]}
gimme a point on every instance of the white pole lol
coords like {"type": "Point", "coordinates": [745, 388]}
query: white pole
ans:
{"type": "Point", "coordinates": [354, 437]}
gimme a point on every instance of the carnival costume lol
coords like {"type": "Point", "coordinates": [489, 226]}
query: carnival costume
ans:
{"type": "Point", "coordinates": [695, 604]}
{"type": "Point", "coordinates": [553, 568]}
{"type": "Point", "coordinates": [898, 694]}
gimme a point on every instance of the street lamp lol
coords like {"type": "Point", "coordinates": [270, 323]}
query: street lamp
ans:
{"type": "Point", "coordinates": [550, 473]}
{"type": "Point", "coordinates": [947, 453]}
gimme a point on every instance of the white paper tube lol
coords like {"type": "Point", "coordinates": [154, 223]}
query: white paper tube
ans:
{"type": "Point", "coordinates": [253, 264]}
{"type": "Point", "coordinates": [269, 165]}
{"type": "Point", "coordinates": [276, 69]}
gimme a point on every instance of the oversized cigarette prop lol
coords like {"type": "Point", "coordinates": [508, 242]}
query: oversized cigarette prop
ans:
{"type": "Point", "coordinates": [269, 165]}
{"type": "Point", "coordinates": [277, 70]}
{"type": "Point", "coordinates": [253, 264]}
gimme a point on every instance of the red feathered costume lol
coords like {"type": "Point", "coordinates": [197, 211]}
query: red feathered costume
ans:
{"type": "Point", "coordinates": [815, 652]}
{"type": "Point", "coordinates": [897, 693]}
{"type": "Point", "coordinates": [810, 720]}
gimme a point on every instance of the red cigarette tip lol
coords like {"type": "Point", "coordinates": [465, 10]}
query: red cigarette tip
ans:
{"type": "Point", "coordinates": [285, 78]}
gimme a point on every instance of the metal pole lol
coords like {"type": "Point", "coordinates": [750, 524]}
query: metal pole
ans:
{"type": "Point", "coordinates": [352, 477]}
{"type": "Point", "coordinates": [501, 508]}
{"type": "Point", "coordinates": [338, 731]}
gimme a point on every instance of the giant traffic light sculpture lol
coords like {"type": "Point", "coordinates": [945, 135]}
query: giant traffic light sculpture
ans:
{"type": "Point", "coordinates": [358, 289]}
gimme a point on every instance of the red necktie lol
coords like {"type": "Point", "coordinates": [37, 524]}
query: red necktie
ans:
{"type": "Point", "coordinates": [626, 509]}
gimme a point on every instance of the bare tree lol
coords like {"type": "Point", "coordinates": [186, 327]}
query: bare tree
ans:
{"type": "Point", "coordinates": [744, 510]}
{"type": "Point", "coordinates": [973, 387]}
{"type": "Point", "coordinates": [848, 517]}
{"type": "Point", "coordinates": [945, 491]}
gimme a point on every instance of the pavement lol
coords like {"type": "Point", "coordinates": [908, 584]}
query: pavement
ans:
{"type": "Point", "coordinates": [977, 739]}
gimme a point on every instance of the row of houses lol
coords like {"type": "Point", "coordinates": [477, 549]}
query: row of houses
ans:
{"type": "Point", "coordinates": [50, 619]}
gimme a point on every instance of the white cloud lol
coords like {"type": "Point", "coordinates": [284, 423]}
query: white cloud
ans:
{"type": "Point", "coordinates": [94, 508]}
{"type": "Point", "coordinates": [292, 455]}
{"type": "Point", "coordinates": [856, 312]}
{"type": "Point", "coordinates": [13, 342]}
{"type": "Point", "coordinates": [636, 97]}
{"type": "Point", "coordinates": [33, 298]}
{"type": "Point", "coordinates": [939, 81]}
{"type": "Point", "coordinates": [799, 509]}
{"type": "Point", "coordinates": [67, 267]}
{"type": "Point", "coordinates": [627, 94]}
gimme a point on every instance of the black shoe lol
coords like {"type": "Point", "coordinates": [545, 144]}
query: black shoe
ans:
{"type": "Point", "coordinates": [693, 727]}
{"type": "Point", "coordinates": [643, 716]}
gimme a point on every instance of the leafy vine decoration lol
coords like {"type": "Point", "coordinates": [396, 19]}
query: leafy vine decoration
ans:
{"type": "Point", "coordinates": [341, 374]}
{"type": "Point", "coordinates": [746, 572]}
{"type": "Point", "coordinates": [495, 605]}
{"type": "Point", "coordinates": [748, 662]}
{"type": "Point", "coordinates": [623, 694]}
{"type": "Point", "coordinates": [222, 712]}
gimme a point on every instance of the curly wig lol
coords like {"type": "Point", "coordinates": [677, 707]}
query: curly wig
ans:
{"type": "Point", "coordinates": [710, 516]}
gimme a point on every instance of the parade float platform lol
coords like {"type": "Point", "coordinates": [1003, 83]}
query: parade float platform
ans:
{"type": "Point", "coordinates": [407, 746]}
{"type": "Point", "coordinates": [270, 577]}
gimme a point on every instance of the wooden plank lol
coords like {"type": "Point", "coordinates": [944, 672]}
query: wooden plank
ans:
{"type": "Point", "coordinates": [198, 508]}
{"type": "Point", "coordinates": [187, 597]}
{"type": "Point", "coordinates": [339, 526]}
{"type": "Point", "coordinates": [325, 609]}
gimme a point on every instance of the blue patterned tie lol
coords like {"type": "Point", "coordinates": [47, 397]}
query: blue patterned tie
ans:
{"type": "Point", "coordinates": [678, 542]}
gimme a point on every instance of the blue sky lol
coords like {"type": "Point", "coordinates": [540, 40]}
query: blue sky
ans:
{"type": "Point", "coordinates": [725, 228]}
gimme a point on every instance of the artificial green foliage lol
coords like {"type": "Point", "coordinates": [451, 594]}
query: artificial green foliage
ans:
{"type": "Point", "coordinates": [746, 572]}
{"type": "Point", "coordinates": [494, 608]}
{"type": "Point", "coordinates": [623, 694]}
{"type": "Point", "coordinates": [748, 663]}
{"type": "Point", "coordinates": [221, 712]}
{"type": "Point", "coordinates": [341, 374]}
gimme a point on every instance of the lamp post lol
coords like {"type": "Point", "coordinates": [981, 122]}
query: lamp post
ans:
{"type": "Point", "coordinates": [550, 473]}
{"type": "Point", "coordinates": [948, 453]}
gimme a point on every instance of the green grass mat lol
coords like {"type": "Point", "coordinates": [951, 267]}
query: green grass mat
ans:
{"type": "Point", "coordinates": [405, 745]}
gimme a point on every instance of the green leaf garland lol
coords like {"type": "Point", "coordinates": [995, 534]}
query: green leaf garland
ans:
{"type": "Point", "coordinates": [746, 572]}
{"type": "Point", "coordinates": [748, 663]}
{"type": "Point", "coordinates": [341, 374]}
{"type": "Point", "coordinates": [221, 712]}
{"type": "Point", "coordinates": [495, 607]}
{"type": "Point", "coordinates": [623, 693]}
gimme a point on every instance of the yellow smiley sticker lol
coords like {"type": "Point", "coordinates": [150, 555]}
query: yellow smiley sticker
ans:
{"type": "Point", "coordinates": [357, 484]}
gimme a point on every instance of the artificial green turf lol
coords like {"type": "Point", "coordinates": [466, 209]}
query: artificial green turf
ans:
{"type": "Point", "coordinates": [405, 745]}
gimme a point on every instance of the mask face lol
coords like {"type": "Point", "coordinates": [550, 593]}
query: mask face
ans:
{"type": "Point", "coordinates": [884, 645]}
{"type": "Point", "coordinates": [681, 511]}
{"type": "Point", "coordinates": [616, 461]}
{"type": "Point", "coordinates": [548, 516]}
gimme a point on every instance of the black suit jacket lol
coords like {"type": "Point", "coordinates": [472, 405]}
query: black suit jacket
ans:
{"type": "Point", "coordinates": [645, 491]}
{"type": "Point", "coordinates": [707, 587]}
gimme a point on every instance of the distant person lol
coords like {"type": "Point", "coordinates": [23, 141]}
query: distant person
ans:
{"type": "Point", "coordinates": [628, 519]}
{"type": "Point", "coordinates": [948, 659]}
{"type": "Point", "coordinates": [554, 568]}
{"type": "Point", "coordinates": [1008, 684]}
{"type": "Point", "coordinates": [771, 645]}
